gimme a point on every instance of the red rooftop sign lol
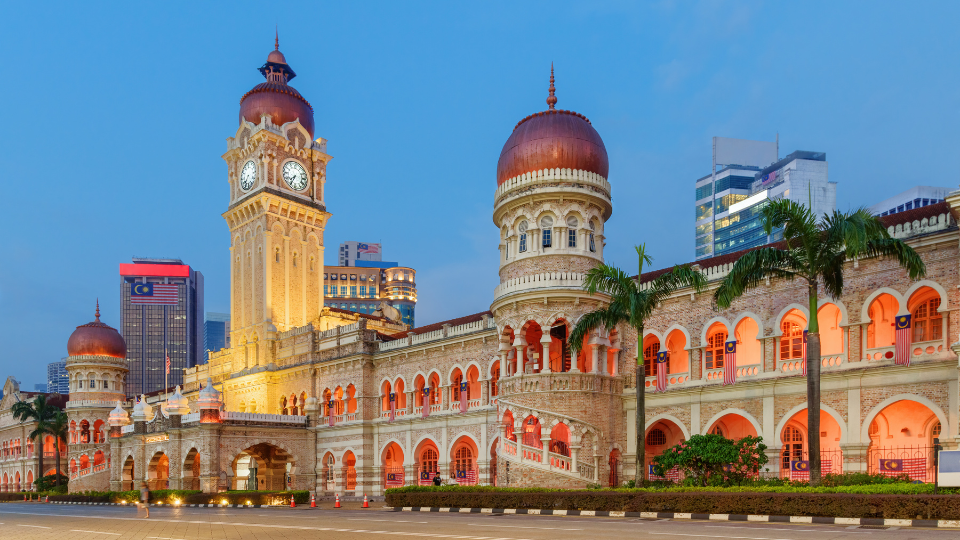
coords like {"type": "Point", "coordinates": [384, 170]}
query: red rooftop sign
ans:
{"type": "Point", "coordinates": [155, 270]}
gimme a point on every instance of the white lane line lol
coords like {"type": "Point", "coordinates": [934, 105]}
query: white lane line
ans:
{"type": "Point", "coordinates": [521, 527]}
{"type": "Point", "coordinates": [390, 520]}
{"type": "Point", "coordinates": [652, 533]}
{"type": "Point", "coordinates": [95, 532]}
{"type": "Point", "coordinates": [34, 526]}
{"type": "Point", "coordinates": [765, 528]}
{"type": "Point", "coordinates": [164, 538]}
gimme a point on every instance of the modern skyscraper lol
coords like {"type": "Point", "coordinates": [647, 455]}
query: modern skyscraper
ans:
{"type": "Point", "coordinates": [216, 333]}
{"type": "Point", "coordinates": [159, 322]}
{"type": "Point", "coordinates": [350, 252]}
{"type": "Point", "coordinates": [914, 197]}
{"type": "Point", "coordinates": [730, 199]}
{"type": "Point", "coordinates": [362, 288]}
{"type": "Point", "coordinates": [57, 380]}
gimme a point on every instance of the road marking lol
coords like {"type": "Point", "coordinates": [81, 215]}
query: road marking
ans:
{"type": "Point", "coordinates": [764, 528]}
{"type": "Point", "coordinates": [390, 520]}
{"type": "Point", "coordinates": [521, 527]}
{"type": "Point", "coordinates": [164, 538]}
{"type": "Point", "coordinates": [34, 526]}
{"type": "Point", "coordinates": [95, 532]}
{"type": "Point", "coordinates": [714, 536]}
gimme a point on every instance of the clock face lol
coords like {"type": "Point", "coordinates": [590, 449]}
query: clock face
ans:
{"type": "Point", "coordinates": [248, 175]}
{"type": "Point", "coordinates": [294, 175]}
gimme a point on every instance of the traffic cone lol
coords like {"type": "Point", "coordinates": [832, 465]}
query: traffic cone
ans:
{"type": "Point", "coordinates": [366, 504]}
{"type": "Point", "coordinates": [292, 504]}
{"type": "Point", "coordinates": [313, 500]}
{"type": "Point", "coordinates": [336, 504]}
{"type": "Point", "coordinates": [48, 499]}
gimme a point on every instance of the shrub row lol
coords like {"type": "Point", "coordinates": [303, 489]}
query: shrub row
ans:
{"type": "Point", "coordinates": [690, 501]}
{"type": "Point", "coordinates": [167, 496]}
{"type": "Point", "coordinates": [13, 497]}
{"type": "Point", "coordinates": [902, 488]}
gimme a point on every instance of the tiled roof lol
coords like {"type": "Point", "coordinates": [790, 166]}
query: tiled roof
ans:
{"type": "Point", "coordinates": [364, 315]}
{"type": "Point", "coordinates": [907, 216]}
{"type": "Point", "coordinates": [437, 326]}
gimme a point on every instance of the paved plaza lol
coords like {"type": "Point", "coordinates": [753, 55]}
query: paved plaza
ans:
{"type": "Point", "coordinates": [80, 522]}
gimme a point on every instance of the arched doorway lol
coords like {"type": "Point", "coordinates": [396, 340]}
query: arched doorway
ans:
{"type": "Point", "coordinates": [493, 462]}
{"type": "Point", "coordinates": [901, 440]}
{"type": "Point", "coordinates": [264, 467]}
{"type": "Point", "coordinates": [613, 463]}
{"type": "Point", "coordinates": [428, 460]}
{"type": "Point", "coordinates": [126, 473]}
{"type": "Point", "coordinates": [560, 446]}
{"type": "Point", "coordinates": [328, 478]}
{"type": "Point", "coordinates": [463, 457]}
{"type": "Point", "coordinates": [191, 470]}
{"type": "Point", "coordinates": [158, 471]}
{"type": "Point", "coordinates": [794, 454]}
{"type": "Point", "coordinates": [349, 471]}
{"type": "Point", "coordinates": [393, 472]}
{"type": "Point", "coordinates": [661, 435]}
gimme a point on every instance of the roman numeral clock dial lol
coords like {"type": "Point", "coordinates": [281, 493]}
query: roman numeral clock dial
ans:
{"type": "Point", "coordinates": [294, 175]}
{"type": "Point", "coordinates": [248, 175]}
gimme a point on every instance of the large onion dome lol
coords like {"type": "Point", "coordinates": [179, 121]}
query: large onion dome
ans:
{"type": "Point", "coordinates": [552, 139]}
{"type": "Point", "coordinates": [96, 339]}
{"type": "Point", "coordinates": [275, 97]}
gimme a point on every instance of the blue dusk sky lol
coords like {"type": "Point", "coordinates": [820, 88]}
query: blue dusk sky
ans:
{"type": "Point", "coordinates": [117, 113]}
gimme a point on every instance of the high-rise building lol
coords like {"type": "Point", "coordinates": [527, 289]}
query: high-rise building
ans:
{"type": "Point", "coordinates": [156, 326]}
{"type": "Point", "coordinates": [362, 288]}
{"type": "Point", "coordinates": [350, 252]}
{"type": "Point", "coordinates": [914, 197]}
{"type": "Point", "coordinates": [40, 387]}
{"type": "Point", "coordinates": [730, 200]}
{"type": "Point", "coordinates": [57, 380]}
{"type": "Point", "coordinates": [216, 333]}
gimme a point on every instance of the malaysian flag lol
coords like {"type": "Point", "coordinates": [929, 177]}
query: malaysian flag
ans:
{"type": "Point", "coordinates": [467, 477]}
{"type": "Point", "coordinates": [426, 401]}
{"type": "Point", "coordinates": [803, 353]}
{"type": "Point", "coordinates": [368, 248]}
{"type": "Point", "coordinates": [393, 405]}
{"type": "Point", "coordinates": [394, 479]}
{"type": "Point", "coordinates": [661, 371]}
{"type": "Point", "coordinates": [730, 363]}
{"type": "Point", "coordinates": [902, 339]}
{"type": "Point", "coordinates": [168, 364]}
{"type": "Point", "coordinates": [672, 475]}
{"type": "Point", "coordinates": [153, 294]}
{"type": "Point", "coordinates": [916, 468]}
{"type": "Point", "coordinates": [800, 470]}
{"type": "Point", "coordinates": [426, 477]}
{"type": "Point", "coordinates": [463, 397]}
{"type": "Point", "coordinates": [330, 411]}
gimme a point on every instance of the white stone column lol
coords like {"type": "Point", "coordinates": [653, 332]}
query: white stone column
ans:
{"type": "Point", "coordinates": [519, 345]}
{"type": "Point", "coordinates": [545, 441]}
{"type": "Point", "coordinates": [545, 356]}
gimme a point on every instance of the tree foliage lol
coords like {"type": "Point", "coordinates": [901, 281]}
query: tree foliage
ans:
{"type": "Point", "coordinates": [706, 457]}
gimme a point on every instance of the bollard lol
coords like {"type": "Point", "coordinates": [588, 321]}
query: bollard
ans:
{"type": "Point", "coordinates": [365, 503]}
{"type": "Point", "coordinates": [292, 504]}
{"type": "Point", "coordinates": [313, 500]}
{"type": "Point", "coordinates": [336, 503]}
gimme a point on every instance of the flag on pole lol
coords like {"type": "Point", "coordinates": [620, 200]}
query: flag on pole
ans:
{"type": "Point", "coordinates": [426, 401]}
{"type": "Point", "coordinates": [153, 294]}
{"type": "Point", "coordinates": [902, 339]}
{"type": "Point", "coordinates": [393, 405]}
{"type": "Point", "coordinates": [730, 363]}
{"type": "Point", "coordinates": [330, 411]}
{"type": "Point", "coordinates": [803, 353]}
{"type": "Point", "coordinates": [168, 364]}
{"type": "Point", "coordinates": [661, 371]}
{"type": "Point", "coordinates": [463, 397]}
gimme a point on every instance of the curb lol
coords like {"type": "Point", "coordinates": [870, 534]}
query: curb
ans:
{"type": "Point", "coordinates": [938, 523]}
{"type": "Point", "coordinates": [172, 505]}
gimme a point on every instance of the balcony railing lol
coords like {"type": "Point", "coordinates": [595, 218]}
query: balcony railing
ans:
{"type": "Point", "coordinates": [880, 353]}
{"type": "Point", "coordinates": [673, 379]}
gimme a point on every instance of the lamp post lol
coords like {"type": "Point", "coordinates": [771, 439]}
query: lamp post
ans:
{"type": "Point", "coordinates": [936, 465]}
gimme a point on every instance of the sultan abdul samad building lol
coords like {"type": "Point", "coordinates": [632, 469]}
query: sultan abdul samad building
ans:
{"type": "Point", "coordinates": [316, 398]}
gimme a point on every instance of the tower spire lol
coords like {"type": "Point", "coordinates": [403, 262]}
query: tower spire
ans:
{"type": "Point", "coordinates": [98, 310]}
{"type": "Point", "coordinates": [551, 99]}
{"type": "Point", "coordinates": [276, 39]}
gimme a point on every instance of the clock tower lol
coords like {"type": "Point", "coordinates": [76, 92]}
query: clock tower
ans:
{"type": "Point", "coordinates": [276, 214]}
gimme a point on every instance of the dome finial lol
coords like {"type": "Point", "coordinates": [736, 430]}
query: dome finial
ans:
{"type": "Point", "coordinates": [552, 99]}
{"type": "Point", "coordinates": [98, 310]}
{"type": "Point", "coordinates": [276, 39]}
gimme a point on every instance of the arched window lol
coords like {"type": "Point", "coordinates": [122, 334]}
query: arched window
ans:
{"type": "Point", "coordinates": [545, 225]}
{"type": "Point", "coordinates": [522, 228]}
{"type": "Point", "coordinates": [294, 259]}
{"type": "Point", "coordinates": [791, 342]}
{"type": "Point", "coordinates": [656, 437]}
{"type": "Point", "coordinates": [311, 263]}
{"type": "Point", "coordinates": [283, 405]}
{"type": "Point", "coordinates": [494, 379]}
{"type": "Point", "coordinates": [463, 458]}
{"type": "Point", "coordinates": [593, 246]}
{"type": "Point", "coordinates": [293, 405]}
{"type": "Point", "coordinates": [937, 429]}
{"type": "Point", "coordinates": [572, 231]}
{"type": "Point", "coordinates": [650, 358]}
{"type": "Point", "coordinates": [428, 460]}
{"type": "Point", "coordinates": [927, 321]}
{"type": "Point", "coordinates": [276, 255]}
{"type": "Point", "coordinates": [792, 446]}
{"type": "Point", "coordinates": [714, 350]}
{"type": "Point", "coordinates": [717, 431]}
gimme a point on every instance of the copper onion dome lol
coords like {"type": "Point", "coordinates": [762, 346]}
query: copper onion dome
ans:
{"type": "Point", "coordinates": [275, 97]}
{"type": "Point", "coordinates": [552, 139]}
{"type": "Point", "coordinates": [96, 339]}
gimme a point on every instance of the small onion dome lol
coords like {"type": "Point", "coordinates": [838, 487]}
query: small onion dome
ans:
{"type": "Point", "coordinates": [552, 139]}
{"type": "Point", "coordinates": [118, 417]}
{"type": "Point", "coordinates": [311, 404]}
{"type": "Point", "coordinates": [276, 97]}
{"type": "Point", "coordinates": [209, 397]}
{"type": "Point", "coordinates": [177, 404]}
{"type": "Point", "coordinates": [142, 411]}
{"type": "Point", "coordinates": [96, 339]}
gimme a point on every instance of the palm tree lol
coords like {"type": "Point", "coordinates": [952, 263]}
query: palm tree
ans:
{"type": "Point", "coordinates": [38, 411]}
{"type": "Point", "coordinates": [59, 428]}
{"type": "Point", "coordinates": [814, 251]}
{"type": "Point", "coordinates": [632, 302]}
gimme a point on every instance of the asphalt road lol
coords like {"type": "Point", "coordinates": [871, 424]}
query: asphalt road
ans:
{"type": "Point", "coordinates": [81, 522]}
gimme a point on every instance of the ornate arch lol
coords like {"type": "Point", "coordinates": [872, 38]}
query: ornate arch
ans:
{"type": "Point", "coordinates": [707, 325]}
{"type": "Point", "coordinates": [916, 286]}
{"type": "Point", "coordinates": [824, 408]}
{"type": "Point", "coordinates": [777, 331]}
{"type": "Point", "coordinates": [453, 441]}
{"type": "Point", "coordinates": [739, 412]}
{"type": "Point", "coordinates": [670, 417]}
{"type": "Point", "coordinates": [750, 315]}
{"type": "Point", "coordinates": [865, 308]}
{"type": "Point", "coordinates": [934, 408]}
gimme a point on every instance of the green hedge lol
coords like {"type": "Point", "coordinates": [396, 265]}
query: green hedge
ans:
{"type": "Point", "coordinates": [249, 497]}
{"type": "Point", "coordinates": [130, 497]}
{"type": "Point", "coordinates": [14, 497]}
{"type": "Point", "coordinates": [698, 501]}
{"type": "Point", "coordinates": [870, 489]}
